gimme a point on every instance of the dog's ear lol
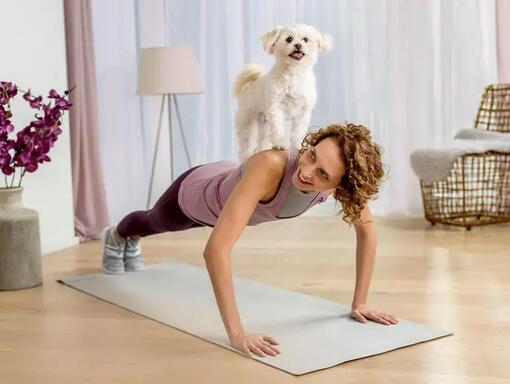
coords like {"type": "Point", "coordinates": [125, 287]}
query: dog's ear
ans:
{"type": "Point", "coordinates": [269, 39]}
{"type": "Point", "coordinates": [324, 41]}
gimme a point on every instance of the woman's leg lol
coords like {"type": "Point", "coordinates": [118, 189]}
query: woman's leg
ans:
{"type": "Point", "coordinates": [165, 216]}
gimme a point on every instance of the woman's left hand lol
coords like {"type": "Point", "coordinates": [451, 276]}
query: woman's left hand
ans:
{"type": "Point", "coordinates": [362, 313]}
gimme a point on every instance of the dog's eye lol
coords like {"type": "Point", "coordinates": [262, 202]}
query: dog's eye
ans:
{"type": "Point", "coordinates": [289, 39]}
{"type": "Point", "coordinates": [305, 39]}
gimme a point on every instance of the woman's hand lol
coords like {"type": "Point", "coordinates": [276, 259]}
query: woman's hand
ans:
{"type": "Point", "coordinates": [361, 314]}
{"type": "Point", "coordinates": [257, 343]}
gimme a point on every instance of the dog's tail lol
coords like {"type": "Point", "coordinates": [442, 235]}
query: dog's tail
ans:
{"type": "Point", "coordinates": [248, 75]}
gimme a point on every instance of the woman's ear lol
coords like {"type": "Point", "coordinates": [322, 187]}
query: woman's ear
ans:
{"type": "Point", "coordinates": [269, 39]}
{"type": "Point", "coordinates": [324, 41]}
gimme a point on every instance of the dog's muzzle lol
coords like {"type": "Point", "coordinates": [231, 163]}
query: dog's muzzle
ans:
{"type": "Point", "coordinates": [297, 55]}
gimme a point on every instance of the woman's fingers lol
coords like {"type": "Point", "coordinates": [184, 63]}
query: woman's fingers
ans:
{"type": "Point", "coordinates": [263, 348]}
{"type": "Point", "coordinates": [257, 344]}
{"type": "Point", "coordinates": [377, 317]}
{"type": "Point", "coordinates": [267, 344]}
{"type": "Point", "coordinates": [268, 350]}
{"type": "Point", "coordinates": [270, 339]}
{"type": "Point", "coordinates": [383, 318]}
{"type": "Point", "coordinates": [389, 318]}
{"type": "Point", "coordinates": [372, 315]}
{"type": "Point", "coordinates": [246, 351]}
{"type": "Point", "coordinates": [257, 350]}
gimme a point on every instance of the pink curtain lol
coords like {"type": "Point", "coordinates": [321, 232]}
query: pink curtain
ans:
{"type": "Point", "coordinates": [503, 33]}
{"type": "Point", "coordinates": [90, 208]}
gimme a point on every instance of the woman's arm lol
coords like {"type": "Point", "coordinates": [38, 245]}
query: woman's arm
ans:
{"type": "Point", "coordinates": [366, 247]}
{"type": "Point", "coordinates": [260, 175]}
{"type": "Point", "coordinates": [365, 256]}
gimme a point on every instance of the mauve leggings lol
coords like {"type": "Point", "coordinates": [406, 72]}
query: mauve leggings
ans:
{"type": "Point", "coordinates": [165, 216]}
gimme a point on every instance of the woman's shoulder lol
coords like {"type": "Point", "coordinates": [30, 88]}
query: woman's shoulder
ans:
{"type": "Point", "coordinates": [272, 160]}
{"type": "Point", "coordinates": [266, 171]}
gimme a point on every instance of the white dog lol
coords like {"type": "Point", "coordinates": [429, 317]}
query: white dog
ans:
{"type": "Point", "coordinates": [286, 92]}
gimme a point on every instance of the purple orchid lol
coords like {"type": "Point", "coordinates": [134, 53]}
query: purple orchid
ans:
{"type": "Point", "coordinates": [35, 102]}
{"type": "Point", "coordinates": [33, 142]}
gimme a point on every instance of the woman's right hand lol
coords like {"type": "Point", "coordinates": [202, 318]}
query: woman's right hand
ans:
{"type": "Point", "coordinates": [257, 343]}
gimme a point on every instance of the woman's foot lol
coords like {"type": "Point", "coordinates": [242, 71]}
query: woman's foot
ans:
{"type": "Point", "coordinates": [133, 259]}
{"type": "Point", "coordinates": [113, 251]}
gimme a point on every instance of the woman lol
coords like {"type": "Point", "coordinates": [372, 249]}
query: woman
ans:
{"type": "Point", "coordinates": [273, 184]}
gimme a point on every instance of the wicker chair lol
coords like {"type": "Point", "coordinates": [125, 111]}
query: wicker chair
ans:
{"type": "Point", "coordinates": [477, 190]}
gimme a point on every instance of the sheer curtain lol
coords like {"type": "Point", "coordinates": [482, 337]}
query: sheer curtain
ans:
{"type": "Point", "coordinates": [412, 71]}
{"type": "Point", "coordinates": [503, 23]}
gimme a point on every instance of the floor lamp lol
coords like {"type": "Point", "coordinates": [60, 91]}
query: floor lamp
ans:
{"type": "Point", "coordinates": [168, 71]}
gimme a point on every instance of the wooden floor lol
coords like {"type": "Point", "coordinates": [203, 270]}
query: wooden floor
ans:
{"type": "Point", "coordinates": [444, 277]}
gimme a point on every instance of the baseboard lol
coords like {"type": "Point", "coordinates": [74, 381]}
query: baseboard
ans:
{"type": "Point", "coordinates": [59, 245]}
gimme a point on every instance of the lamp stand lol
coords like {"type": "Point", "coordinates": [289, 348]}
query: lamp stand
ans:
{"type": "Point", "coordinates": [169, 98]}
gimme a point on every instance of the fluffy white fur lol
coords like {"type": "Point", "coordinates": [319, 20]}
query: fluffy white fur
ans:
{"type": "Point", "coordinates": [286, 92]}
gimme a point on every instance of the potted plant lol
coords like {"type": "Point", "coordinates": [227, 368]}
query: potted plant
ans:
{"type": "Point", "coordinates": [20, 249]}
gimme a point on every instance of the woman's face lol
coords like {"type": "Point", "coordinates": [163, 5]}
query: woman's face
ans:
{"type": "Point", "coordinates": [320, 168]}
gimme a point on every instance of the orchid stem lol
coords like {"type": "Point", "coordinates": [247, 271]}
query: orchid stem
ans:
{"type": "Point", "coordinates": [23, 174]}
{"type": "Point", "coordinates": [13, 176]}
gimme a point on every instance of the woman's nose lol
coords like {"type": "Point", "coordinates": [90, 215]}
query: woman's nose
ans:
{"type": "Point", "coordinates": [306, 173]}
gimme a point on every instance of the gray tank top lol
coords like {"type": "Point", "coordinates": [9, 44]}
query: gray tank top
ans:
{"type": "Point", "coordinates": [295, 203]}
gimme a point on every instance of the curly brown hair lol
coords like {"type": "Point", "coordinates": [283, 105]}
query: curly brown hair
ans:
{"type": "Point", "coordinates": [363, 166]}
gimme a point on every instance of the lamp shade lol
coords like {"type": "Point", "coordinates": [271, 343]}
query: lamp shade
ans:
{"type": "Point", "coordinates": [165, 70]}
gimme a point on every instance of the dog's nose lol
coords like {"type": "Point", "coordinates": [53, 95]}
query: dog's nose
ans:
{"type": "Point", "coordinates": [298, 46]}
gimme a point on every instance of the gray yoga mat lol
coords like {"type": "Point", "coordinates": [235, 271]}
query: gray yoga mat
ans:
{"type": "Point", "coordinates": [313, 333]}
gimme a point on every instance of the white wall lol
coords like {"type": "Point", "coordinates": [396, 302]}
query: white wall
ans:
{"type": "Point", "coordinates": [33, 56]}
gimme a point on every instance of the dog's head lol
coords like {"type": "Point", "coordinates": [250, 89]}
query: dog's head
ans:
{"type": "Point", "coordinates": [296, 44]}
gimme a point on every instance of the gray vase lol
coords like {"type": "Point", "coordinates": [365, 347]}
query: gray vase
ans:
{"type": "Point", "coordinates": [20, 246]}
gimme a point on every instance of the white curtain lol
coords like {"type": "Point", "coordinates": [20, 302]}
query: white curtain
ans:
{"type": "Point", "coordinates": [412, 71]}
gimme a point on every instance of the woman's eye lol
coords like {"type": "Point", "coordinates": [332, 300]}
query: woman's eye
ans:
{"type": "Point", "coordinates": [305, 39]}
{"type": "Point", "coordinates": [289, 39]}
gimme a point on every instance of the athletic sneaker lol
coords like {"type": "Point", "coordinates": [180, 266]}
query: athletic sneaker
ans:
{"type": "Point", "coordinates": [113, 251]}
{"type": "Point", "coordinates": [133, 259]}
